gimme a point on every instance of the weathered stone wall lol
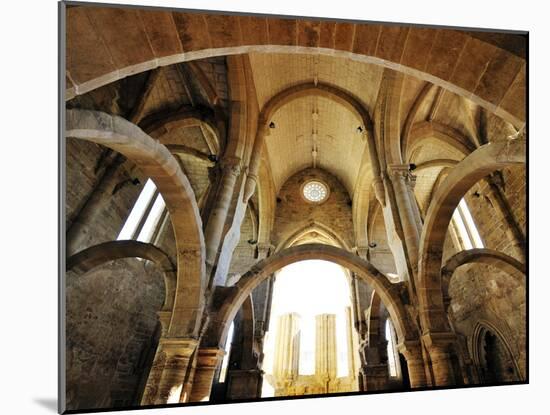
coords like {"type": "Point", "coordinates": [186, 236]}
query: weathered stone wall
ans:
{"type": "Point", "coordinates": [491, 228]}
{"type": "Point", "coordinates": [293, 212]}
{"type": "Point", "coordinates": [482, 292]}
{"type": "Point", "coordinates": [111, 324]}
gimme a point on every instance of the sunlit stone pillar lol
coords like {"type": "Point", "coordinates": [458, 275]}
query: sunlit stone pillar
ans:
{"type": "Point", "coordinates": [325, 346]}
{"type": "Point", "coordinates": [207, 361]}
{"type": "Point", "coordinates": [400, 176]}
{"type": "Point", "coordinates": [151, 387]}
{"type": "Point", "coordinates": [353, 357]}
{"type": "Point", "coordinates": [287, 347]}
{"type": "Point", "coordinates": [411, 183]}
{"type": "Point", "coordinates": [412, 350]}
{"type": "Point", "coordinates": [178, 353]}
{"type": "Point", "coordinates": [231, 169]}
{"type": "Point", "coordinates": [255, 159]}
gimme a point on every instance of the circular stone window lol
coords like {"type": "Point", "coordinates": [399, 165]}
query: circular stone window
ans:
{"type": "Point", "coordinates": [315, 191]}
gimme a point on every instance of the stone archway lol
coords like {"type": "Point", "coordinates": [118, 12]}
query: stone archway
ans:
{"type": "Point", "coordinates": [228, 304]}
{"type": "Point", "coordinates": [100, 52]}
{"type": "Point", "coordinates": [432, 130]}
{"type": "Point", "coordinates": [96, 255]}
{"type": "Point", "coordinates": [492, 355]}
{"type": "Point", "coordinates": [463, 176]}
{"type": "Point", "coordinates": [486, 256]}
{"type": "Point", "coordinates": [156, 161]}
{"type": "Point", "coordinates": [323, 230]}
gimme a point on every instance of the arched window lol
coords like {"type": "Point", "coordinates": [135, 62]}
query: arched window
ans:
{"type": "Point", "coordinates": [464, 229]}
{"type": "Point", "coordinates": [148, 212]}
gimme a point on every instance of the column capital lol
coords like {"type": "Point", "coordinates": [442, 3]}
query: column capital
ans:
{"type": "Point", "coordinates": [183, 347]}
{"type": "Point", "coordinates": [209, 356]}
{"type": "Point", "coordinates": [398, 170]}
{"type": "Point", "coordinates": [410, 349]}
{"type": "Point", "coordinates": [402, 171]}
{"type": "Point", "coordinates": [231, 165]}
{"type": "Point", "coordinates": [438, 340]}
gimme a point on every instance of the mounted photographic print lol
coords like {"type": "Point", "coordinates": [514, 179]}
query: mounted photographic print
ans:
{"type": "Point", "coordinates": [260, 207]}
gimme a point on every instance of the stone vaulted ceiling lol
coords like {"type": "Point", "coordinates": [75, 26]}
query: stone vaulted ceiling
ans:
{"type": "Point", "coordinates": [315, 122]}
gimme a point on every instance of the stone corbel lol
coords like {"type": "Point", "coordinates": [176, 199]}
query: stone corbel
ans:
{"type": "Point", "coordinates": [438, 340]}
{"type": "Point", "coordinates": [231, 165]}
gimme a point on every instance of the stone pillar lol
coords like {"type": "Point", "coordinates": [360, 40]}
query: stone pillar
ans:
{"type": "Point", "coordinates": [375, 376]}
{"type": "Point", "coordinates": [231, 169]}
{"type": "Point", "coordinates": [151, 387]}
{"type": "Point", "coordinates": [412, 350]}
{"type": "Point", "coordinates": [207, 361]}
{"type": "Point", "coordinates": [351, 342]}
{"type": "Point", "coordinates": [170, 366]}
{"type": "Point", "coordinates": [255, 158]}
{"type": "Point", "coordinates": [325, 346]}
{"type": "Point", "coordinates": [400, 177]}
{"type": "Point", "coordinates": [244, 384]}
{"type": "Point", "coordinates": [94, 205]}
{"type": "Point", "coordinates": [287, 347]}
{"type": "Point", "coordinates": [411, 183]}
{"type": "Point", "coordinates": [438, 345]}
{"type": "Point", "coordinates": [178, 353]}
{"type": "Point", "coordinates": [504, 211]}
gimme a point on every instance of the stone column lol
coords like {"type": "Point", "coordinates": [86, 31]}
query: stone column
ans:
{"type": "Point", "coordinates": [151, 387]}
{"type": "Point", "coordinates": [351, 342]}
{"type": "Point", "coordinates": [504, 211]}
{"type": "Point", "coordinates": [231, 169]}
{"type": "Point", "coordinates": [411, 183]}
{"type": "Point", "coordinates": [244, 384]}
{"type": "Point", "coordinates": [438, 345]}
{"type": "Point", "coordinates": [207, 361]}
{"type": "Point", "coordinates": [412, 350]}
{"type": "Point", "coordinates": [375, 376]}
{"type": "Point", "coordinates": [178, 353]}
{"type": "Point", "coordinates": [94, 205]}
{"type": "Point", "coordinates": [255, 158]}
{"type": "Point", "coordinates": [400, 177]}
{"type": "Point", "coordinates": [287, 347]}
{"type": "Point", "coordinates": [325, 346]}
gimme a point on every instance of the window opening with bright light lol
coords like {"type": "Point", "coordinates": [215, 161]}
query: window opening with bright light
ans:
{"type": "Point", "coordinates": [148, 212]}
{"type": "Point", "coordinates": [465, 228]}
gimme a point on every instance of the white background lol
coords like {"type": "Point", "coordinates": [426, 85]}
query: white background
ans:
{"type": "Point", "coordinates": [28, 208]}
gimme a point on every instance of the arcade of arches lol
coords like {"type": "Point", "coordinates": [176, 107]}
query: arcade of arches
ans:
{"type": "Point", "coordinates": [204, 153]}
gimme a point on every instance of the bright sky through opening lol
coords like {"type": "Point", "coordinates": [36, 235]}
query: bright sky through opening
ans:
{"type": "Point", "coordinates": [310, 288]}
